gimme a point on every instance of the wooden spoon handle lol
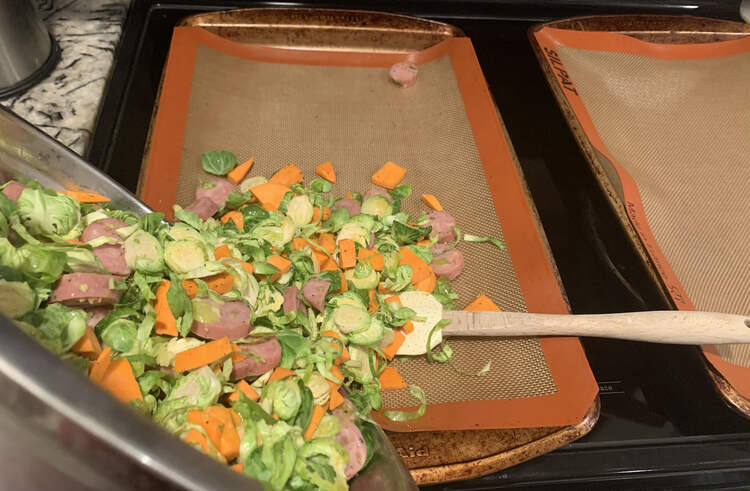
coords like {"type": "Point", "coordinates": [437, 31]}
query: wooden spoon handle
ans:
{"type": "Point", "coordinates": [672, 327]}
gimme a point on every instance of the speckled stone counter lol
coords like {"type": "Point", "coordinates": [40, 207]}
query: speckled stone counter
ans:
{"type": "Point", "coordinates": [66, 103]}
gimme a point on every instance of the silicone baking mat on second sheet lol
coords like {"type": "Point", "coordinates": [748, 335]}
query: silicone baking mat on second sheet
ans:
{"type": "Point", "coordinates": [285, 106]}
{"type": "Point", "coordinates": [672, 121]}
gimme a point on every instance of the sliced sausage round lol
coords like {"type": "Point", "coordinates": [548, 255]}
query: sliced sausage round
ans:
{"type": "Point", "coordinates": [96, 314]}
{"type": "Point", "coordinates": [448, 264]}
{"type": "Point", "coordinates": [351, 205]}
{"type": "Point", "coordinates": [112, 257]}
{"type": "Point", "coordinates": [13, 190]}
{"type": "Point", "coordinates": [217, 190]}
{"type": "Point", "coordinates": [261, 357]}
{"type": "Point", "coordinates": [403, 74]}
{"type": "Point", "coordinates": [442, 226]}
{"type": "Point", "coordinates": [353, 442]}
{"type": "Point", "coordinates": [106, 227]}
{"type": "Point", "coordinates": [233, 323]}
{"type": "Point", "coordinates": [315, 291]}
{"type": "Point", "coordinates": [203, 207]}
{"type": "Point", "coordinates": [81, 289]}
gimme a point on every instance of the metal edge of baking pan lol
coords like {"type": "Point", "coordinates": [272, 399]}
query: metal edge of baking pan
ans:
{"type": "Point", "coordinates": [72, 430]}
{"type": "Point", "coordinates": [668, 29]}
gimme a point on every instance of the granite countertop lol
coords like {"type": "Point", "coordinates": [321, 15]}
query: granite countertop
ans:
{"type": "Point", "coordinates": [66, 103]}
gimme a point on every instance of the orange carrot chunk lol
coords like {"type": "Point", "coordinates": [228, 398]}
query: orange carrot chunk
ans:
{"type": "Point", "coordinates": [220, 283]}
{"type": "Point", "coordinates": [482, 302]}
{"type": "Point", "coordinates": [100, 365]}
{"type": "Point", "coordinates": [190, 287]}
{"type": "Point", "coordinates": [247, 266]}
{"type": "Point", "coordinates": [222, 251]}
{"type": "Point", "coordinates": [86, 196]}
{"type": "Point", "coordinates": [335, 398]}
{"type": "Point", "coordinates": [329, 265]}
{"type": "Point", "coordinates": [428, 283]}
{"type": "Point", "coordinates": [318, 412]}
{"type": "Point", "coordinates": [196, 439]}
{"type": "Point", "coordinates": [391, 379]}
{"type": "Point", "coordinates": [287, 175]}
{"type": "Point", "coordinates": [246, 389]}
{"type": "Point", "coordinates": [398, 340]}
{"type": "Point", "coordinates": [347, 254]}
{"type": "Point", "coordinates": [280, 262]}
{"type": "Point", "coordinates": [371, 256]}
{"type": "Point", "coordinates": [202, 355]}
{"type": "Point", "coordinates": [76, 242]}
{"type": "Point", "coordinates": [236, 218]}
{"type": "Point", "coordinates": [344, 356]}
{"type": "Point", "coordinates": [280, 373]}
{"type": "Point", "coordinates": [432, 202]}
{"type": "Point", "coordinates": [420, 269]}
{"type": "Point", "coordinates": [389, 175]}
{"type": "Point", "coordinates": [325, 170]}
{"type": "Point", "coordinates": [270, 194]}
{"type": "Point", "coordinates": [327, 241]}
{"type": "Point", "coordinates": [408, 327]}
{"type": "Point", "coordinates": [88, 346]}
{"type": "Point", "coordinates": [165, 323]}
{"type": "Point", "coordinates": [238, 468]}
{"type": "Point", "coordinates": [237, 174]}
{"type": "Point", "coordinates": [119, 380]}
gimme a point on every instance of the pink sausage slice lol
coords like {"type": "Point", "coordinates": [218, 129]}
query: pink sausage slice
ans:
{"type": "Point", "coordinates": [403, 74]}
{"type": "Point", "coordinates": [82, 289]}
{"type": "Point", "coordinates": [351, 205]}
{"type": "Point", "coordinates": [106, 227]}
{"type": "Point", "coordinates": [353, 442]}
{"type": "Point", "coordinates": [448, 264]}
{"type": "Point", "coordinates": [13, 190]}
{"type": "Point", "coordinates": [234, 322]}
{"type": "Point", "coordinates": [96, 314]}
{"type": "Point", "coordinates": [112, 257]}
{"type": "Point", "coordinates": [442, 226]}
{"type": "Point", "coordinates": [217, 190]}
{"type": "Point", "coordinates": [315, 291]}
{"type": "Point", "coordinates": [203, 207]}
{"type": "Point", "coordinates": [262, 356]}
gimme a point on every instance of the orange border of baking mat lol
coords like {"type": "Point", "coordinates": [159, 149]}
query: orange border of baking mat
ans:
{"type": "Point", "coordinates": [548, 38]}
{"type": "Point", "coordinates": [576, 387]}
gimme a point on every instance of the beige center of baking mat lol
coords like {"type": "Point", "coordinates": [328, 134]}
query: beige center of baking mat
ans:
{"type": "Point", "coordinates": [306, 115]}
{"type": "Point", "coordinates": [681, 128]}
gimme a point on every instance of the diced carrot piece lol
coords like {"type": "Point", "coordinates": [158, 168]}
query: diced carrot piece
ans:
{"type": "Point", "coordinates": [335, 398]}
{"type": "Point", "coordinates": [483, 302]}
{"type": "Point", "coordinates": [389, 175]}
{"type": "Point", "coordinates": [120, 381]}
{"type": "Point", "coordinates": [398, 340]}
{"type": "Point", "coordinates": [299, 243]}
{"type": "Point", "coordinates": [237, 174]}
{"type": "Point", "coordinates": [280, 262]}
{"type": "Point", "coordinates": [327, 241]}
{"type": "Point", "coordinates": [420, 269]}
{"type": "Point", "coordinates": [76, 242]}
{"type": "Point", "coordinates": [280, 373]}
{"type": "Point", "coordinates": [100, 365]}
{"type": "Point", "coordinates": [270, 194]}
{"type": "Point", "coordinates": [317, 214]}
{"type": "Point", "coordinates": [210, 425]}
{"type": "Point", "coordinates": [229, 440]}
{"type": "Point", "coordinates": [432, 202]}
{"type": "Point", "coordinates": [220, 283]}
{"type": "Point", "coordinates": [287, 175]}
{"type": "Point", "coordinates": [318, 412]}
{"type": "Point", "coordinates": [428, 283]}
{"type": "Point", "coordinates": [408, 327]}
{"type": "Point", "coordinates": [347, 254]}
{"type": "Point", "coordinates": [222, 252]}
{"type": "Point", "coordinates": [344, 283]}
{"type": "Point", "coordinates": [239, 467]}
{"type": "Point", "coordinates": [393, 298]}
{"type": "Point", "coordinates": [197, 439]}
{"type": "Point", "coordinates": [325, 170]}
{"type": "Point", "coordinates": [86, 196]}
{"type": "Point", "coordinates": [344, 356]}
{"type": "Point", "coordinates": [88, 346]}
{"type": "Point", "coordinates": [329, 265]}
{"type": "Point", "coordinates": [423, 242]}
{"type": "Point", "coordinates": [165, 323]}
{"type": "Point", "coordinates": [391, 379]}
{"type": "Point", "coordinates": [371, 256]}
{"type": "Point", "coordinates": [202, 355]}
{"type": "Point", "coordinates": [246, 389]}
{"type": "Point", "coordinates": [235, 216]}
{"type": "Point", "coordinates": [383, 289]}
{"type": "Point", "coordinates": [190, 287]}
{"type": "Point", "coordinates": [373, 305]}
{"type": "Point", "coordinates": [247, 266]}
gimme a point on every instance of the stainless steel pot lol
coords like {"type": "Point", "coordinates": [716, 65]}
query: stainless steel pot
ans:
{"type": "Point", "coordinates": [27, 51]}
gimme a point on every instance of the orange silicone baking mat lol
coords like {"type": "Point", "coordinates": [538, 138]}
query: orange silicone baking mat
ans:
{"type": "Point", "coordinates": [669, 122]}
{"type": "Point", "coordinates": [283, 105]}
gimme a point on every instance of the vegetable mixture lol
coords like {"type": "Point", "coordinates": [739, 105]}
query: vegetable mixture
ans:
{"type": "Point", "coordinates": [258, 327]}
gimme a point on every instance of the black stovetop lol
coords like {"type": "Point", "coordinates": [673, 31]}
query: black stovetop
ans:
{"type": "Point", "coordinates": [662, 423]}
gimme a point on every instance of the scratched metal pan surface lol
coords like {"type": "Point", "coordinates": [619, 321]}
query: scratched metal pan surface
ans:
{"type": "Point", "coordinates": [665, 29]}
{"type": "Point", "coordinates": [78, 436]}
{"type": "Point", "coordinates": [431, 456]}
